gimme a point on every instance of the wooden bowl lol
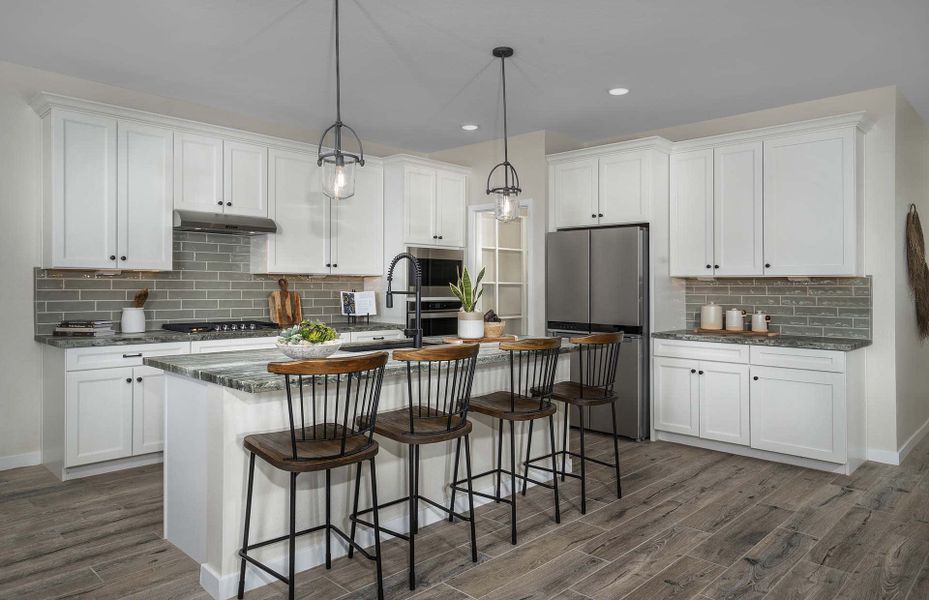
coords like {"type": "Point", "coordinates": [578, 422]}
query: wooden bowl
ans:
{"type": "Point", "coordinates": [493, 330]}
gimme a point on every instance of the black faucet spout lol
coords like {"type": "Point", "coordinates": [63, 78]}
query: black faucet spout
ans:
{"type": "Point", "coordinates": [418, 277]}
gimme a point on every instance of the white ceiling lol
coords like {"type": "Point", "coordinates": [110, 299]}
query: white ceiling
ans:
{"type": "Point", "coordinates": [414, 70]}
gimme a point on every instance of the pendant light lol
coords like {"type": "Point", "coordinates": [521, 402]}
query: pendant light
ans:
{"type": "Point", "coordinates": [338, 167]}
{"type": "Point", "coordinates": [505, 196]}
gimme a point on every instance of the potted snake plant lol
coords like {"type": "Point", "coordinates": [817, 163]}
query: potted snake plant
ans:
{"type": "Point", "coordinates": [470, 322]}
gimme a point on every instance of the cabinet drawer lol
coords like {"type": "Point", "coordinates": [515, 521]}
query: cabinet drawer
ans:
{"type": "Point", "coordinates": [798, 358]}
{"type": "Point", "coordinates": [104, 357]}
{"type": "Point", "coordinates": [376, 336]}
{"type": "Point", "coordinates": [733, 353]}
{"type": "Point", "coordinates": [205, 346]}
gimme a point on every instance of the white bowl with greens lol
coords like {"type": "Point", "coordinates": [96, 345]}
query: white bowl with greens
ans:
{"type": "Point", "coordinates": [309, 339]}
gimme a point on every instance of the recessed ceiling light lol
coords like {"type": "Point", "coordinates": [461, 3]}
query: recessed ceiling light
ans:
{"type": "Point", "coordinates": [618, 91]}
{"type": "Point", "coordinates": [470, 127]}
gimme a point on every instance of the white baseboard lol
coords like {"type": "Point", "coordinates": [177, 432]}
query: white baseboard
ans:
{"type": "Point", "coordinates": [911, 443]}
{"type": "Point", "coordinates": [112, 465]}
{"type": "Point", "coordinates": [887, 457]}
{"type": "Point", "coordinates": [29, 459]}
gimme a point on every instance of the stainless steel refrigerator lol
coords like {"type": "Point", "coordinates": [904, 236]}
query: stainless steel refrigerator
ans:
{"type": "Point", "coordinates": [597, 280]}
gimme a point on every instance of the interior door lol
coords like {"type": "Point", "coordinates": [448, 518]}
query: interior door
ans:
{"type": "Point", "coordinates": [83, 177]}
{"type": "Point", "coordinates": [575, 193]}
{"type": "Point", "coordinates": [145, 196]}
{"type": "Point", "coordinates": [357, 227]}
{"type": "Point", "coordinates": [245, 179]}
{"type": "Point", "coordinates": [677, 396]}
{"type": "Point", "coordinates": [567, 280]}
{"type": "Point", "coordinates": [616, 276]}
{"type": "Point", "coordinates": [451, 197]}
{"type": "Point", "coordinates": [419, 199]}
{"type": "Point", "coordinates": [738, 209]}
{"type": "Point", "coordinates": [724, 394]}
{"type": "Point", "coordinates": [98, 415]}
{"type": "Point", "coordinates": [198, 172]}
{"type": "Point", "coordinates": [148, 401]}
{"type": "Point", "coordinates": [623, 195]}
{"type": "Point", "coordinates": [691, 231]}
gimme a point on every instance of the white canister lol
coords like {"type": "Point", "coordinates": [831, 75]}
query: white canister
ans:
{"type": "Point", "coordinates": [735, 319]}
{"type": "Point", "coordinates": [760, 321]}
{"type": "Point", "coordinates": [470, 325]}
{"type": "Point", "coordinates": [133, 320]}
{"type": "Point", "coordinates": [711, 316]}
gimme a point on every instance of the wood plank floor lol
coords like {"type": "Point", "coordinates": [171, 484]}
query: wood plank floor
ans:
{"type": "Point", "coordinates": [692, 524]}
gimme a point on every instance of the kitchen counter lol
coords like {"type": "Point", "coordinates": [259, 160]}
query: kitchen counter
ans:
{"type": "Point", "coordinates": [247, 370]}
{"type": "Point", "coordinates": [787, 341]}
{"type": "Point", "coordinates": [159, 336]}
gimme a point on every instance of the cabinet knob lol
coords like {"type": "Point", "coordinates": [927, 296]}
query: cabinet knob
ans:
{"type": "Point", "coordinates": [715, 266]}
{"type": "Point", "coordinates": [767, 265]}
{"type": "Point", "coordinates": [220, 203]}
{"type": "Point", "coordinates": [228, 203]}
{"type": "Point", "coordinates": [112, 257]}
{"type": "Point", "coordinates": [122, 258]}
{"type": "Point", "coordinates": [128, 379]}
{"type": "Point", "coordinates": [599, 214]}
{"type": "Point", "coordinates": [693, 370]}
{"type": "Point", "coordinates": [755, 378]}
{"type": "Point", "coordinates": [593, 216]}
{"type": "Point", "coordinates": [709, 266]}
{"type": "Point", "coordinates": [435, 237]}
{"type": "Point", "coordinates": [328, 264]}
{"type": "Point", "coordinates": [441, 237]}
{"type": "Point", "coordinates": [699, 372]}
{"type": "Point", "coordinates": [334, 265]}
{"type": "Point", "coordinates": [139, 379]}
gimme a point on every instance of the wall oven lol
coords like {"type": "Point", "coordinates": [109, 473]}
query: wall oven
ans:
{"type": "Point", "coordinates": [440, 267]}
{"type": "Point", "coordinates": [440, 317]}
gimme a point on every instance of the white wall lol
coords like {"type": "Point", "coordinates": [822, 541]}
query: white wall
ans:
{"type": "Point", "coordinates": [912, 186]}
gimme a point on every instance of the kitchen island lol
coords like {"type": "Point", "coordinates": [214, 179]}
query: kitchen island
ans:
{"type": "Point", "coordinates": [212, 401]}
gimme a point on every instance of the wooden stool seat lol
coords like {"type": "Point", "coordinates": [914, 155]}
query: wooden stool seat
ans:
{"type": "Point", "coordinates": [433, 427]}
{"type": "Point", "coordinates": [576, 394]}
{"type": "Point", "coordinates": [498, 406]}
{"type": "Point", "coordinates": [312, 454]}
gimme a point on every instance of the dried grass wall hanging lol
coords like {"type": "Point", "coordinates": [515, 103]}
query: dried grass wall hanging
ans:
{"type": "Point", "coordinates": [917, 270]}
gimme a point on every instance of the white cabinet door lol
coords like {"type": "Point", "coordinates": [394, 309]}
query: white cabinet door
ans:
{"type": "Point", "coordinates": [724, 402]}
{"type": "Point", "coordinates": [450, 211]}
{"type": "Point", "coordinates": [231, 345]}
{"type": "Point", "coordinates": [83, 181]}
{"type": "Point", "coordinates": [575, 193]}
{"type": "Point", "coordinates": [810, 204]}
{"type": "Point", "coordinates": [376, 336]}
{"type": "Point", "coordinates": [148, 402]}
{"type": "Point", "coordinates": [623, 188]}
{"type": "Point", "coordinates": [145, 196]}
{"type": "Point", "coordinates": [691, 228]}
{"type": "Point", "coordinates": [419, 200]}
{"type": "Point", "coordinates": [98, 415]}
{"type": "Point", "coordinates": [301, 211]}
{"type": "Point", "coordinates": [357, 238]}
{"type": "Point", "coordinates": [245, 179]}
{"type": "Point", "coordinates": [198, 172]}
{"type": "Point", "coordinates": [677, 406]}
{"type": "Point", "coordinates": [799, 412]}
{"type": "Point", "coordinates": [738, 209]}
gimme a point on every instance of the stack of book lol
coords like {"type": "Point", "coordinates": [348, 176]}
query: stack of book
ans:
{"type": "Point", "coordinates": [84, 329]}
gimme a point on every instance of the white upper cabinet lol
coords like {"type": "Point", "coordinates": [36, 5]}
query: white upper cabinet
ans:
{"type": "Point", "coordinates": [245, 179]}
{"type": "Point", "coordinates": [450, 200]}
{"type": "Point", "coordinates": [575, 193]}
{"type": "Point", "coordinates": [811, 204]}
{"type": "Point", "coordinates": [357, 226]}
{"type": "Point", "coordinates": [419, 204]}
{"type": "Point", "coordinates": [623, 188]}
{"type": "Point", "coordinates": [145, 189]}
{"type": "Point", "coordinates": [738, 210]}
{"type": "Point", "coordinates": [80, 190]}
{"type": "Point", "coordinates": [691, 210]}
{"type": "Point", "coordinates": [198, 172]}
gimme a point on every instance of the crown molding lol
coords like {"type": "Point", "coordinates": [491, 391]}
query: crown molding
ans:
{"type": "Point", "coordinates": [647, 143]}
{"type": "Point", "coordinates": [395, 159]}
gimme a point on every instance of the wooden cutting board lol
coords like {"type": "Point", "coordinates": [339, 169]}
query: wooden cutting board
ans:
{"type": "Point", "coordinates": [485, 340]}
{"type": "Point", "coordinates": [284, 306]}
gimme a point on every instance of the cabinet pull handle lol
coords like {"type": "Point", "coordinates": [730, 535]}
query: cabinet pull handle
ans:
{"type": "Point", "coordinates": [128, 379]}
{"type": "Point", "coordinates": [136, 355]}
{"type": "Point", "coordinates": [379, 337]}
{"type": "Point", "coordinates": [755, 378]}
{"type": "Point", "coordinates": [112, 257]}
{"type": "Point", "coordinates": [693, 370]}
{"type": "Point", "coordinates": [139, 379]}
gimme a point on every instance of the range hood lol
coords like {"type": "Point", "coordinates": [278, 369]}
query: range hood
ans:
{"type": "Point", "coordinates": [188, 220]}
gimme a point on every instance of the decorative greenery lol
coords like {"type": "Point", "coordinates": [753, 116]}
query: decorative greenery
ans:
{"type": "Point", "coordinates": [308, 332]}
{"type": "Point", "coordinates": [464, 290]}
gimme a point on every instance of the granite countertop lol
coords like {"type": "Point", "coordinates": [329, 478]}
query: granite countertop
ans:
{"type": "Point", "coordinates": [247, 370]}
{"type": "Point", "coordinates": [161, 336]}
{"type": "Point", "coordinates": [787, 341]}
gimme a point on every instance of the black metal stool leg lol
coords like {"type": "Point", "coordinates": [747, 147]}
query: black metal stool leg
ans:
{"type": "Point", "coordinates": [377, 534]}
{"type": "Point", "coordinates": [619, 485]}
{"type": "Point", "coordinates": [248, 519]}
{"type": "Point", "coordinates": [470, 497]}
{"type": "Point", "coordinates": [551, 434]}
{"type": "Point", "coordinates": [412, 549]}
{"type": "Point", "coordinates": [451, 505]}
{"type": "Point", "coordinates": [351, 549]}
{"type": "Point", "coordinates": [291, 587]}
{"type": "Point", "coordinates": [416, 491]}
{"type": "Point", "coordinates": [499, 460]}
{"type": "Point", "coordinates": [513, 493]}
{"type": "Point", "coordinates": [328, 519]}
{"type": "Point", "coordinates": [564, 445]}
{"type": "Point", "coordinates": [580, 412]}
{"type": "Point", "coordinates": [528, 448]}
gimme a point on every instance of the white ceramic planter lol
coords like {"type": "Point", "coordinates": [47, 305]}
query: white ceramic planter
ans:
{"type": "Point", "coordinates": [470, 325]}
{"type": "Point", "coordinates": [133, 320]}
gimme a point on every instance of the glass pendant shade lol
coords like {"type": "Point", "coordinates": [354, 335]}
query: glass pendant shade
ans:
{"type": "Point", "coordinates": [507, 207]}
{"type": "Point", "coordinates": [338, 180]}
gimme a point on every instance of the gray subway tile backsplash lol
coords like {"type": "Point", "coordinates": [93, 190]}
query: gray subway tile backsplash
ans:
{"type": "Point", "coordinates": [825, 306]}
{"type": "Point", "coordinates": [210, 280]}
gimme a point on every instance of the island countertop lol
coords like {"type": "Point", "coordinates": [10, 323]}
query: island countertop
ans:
{"type": "Point", "coordinates": [247, 370]}
{"type": "Point", "coordinates": [787, 341]}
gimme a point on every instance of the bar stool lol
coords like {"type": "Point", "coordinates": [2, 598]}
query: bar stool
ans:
{"type": "Point", "coordinates": [532, 374]}
{"type": "Point", "coordinates": [598, 357]}
{"type": "Point", "coordinates": [351, 389]}
{"type": "Point", "coordinates": [439, 390]}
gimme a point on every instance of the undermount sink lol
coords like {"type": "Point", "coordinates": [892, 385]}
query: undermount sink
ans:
{"type": "Point", "coordinates": [386, 345]}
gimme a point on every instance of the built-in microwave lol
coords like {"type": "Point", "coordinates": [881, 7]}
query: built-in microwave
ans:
{"type": "Point", "coordinates": [439, 268]}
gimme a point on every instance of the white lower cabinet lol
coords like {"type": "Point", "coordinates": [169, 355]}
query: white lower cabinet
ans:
{"type": "Point", "coordinates": [676, 386]}
{"type": "Point", "coordinates": [98, 410]}
{"type": "Point", "coordinates": [148, 409]}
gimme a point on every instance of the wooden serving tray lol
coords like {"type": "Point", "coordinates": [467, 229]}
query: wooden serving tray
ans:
{"type": "Point", "coordinates": [746, 332]}
{"type": "Point", "coordinates": [484, 340]}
